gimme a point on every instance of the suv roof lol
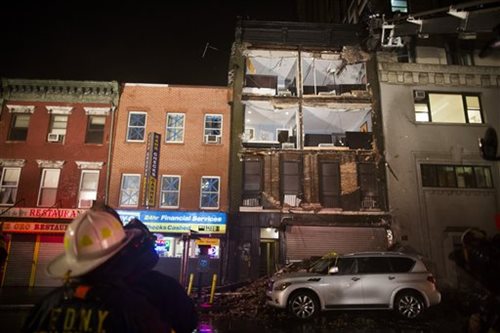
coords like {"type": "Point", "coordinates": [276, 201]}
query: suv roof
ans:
{"type": "Point", "coordinates": [378, 254]}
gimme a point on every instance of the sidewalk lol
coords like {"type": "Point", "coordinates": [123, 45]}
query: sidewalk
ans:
{"type": "Point", "coordinates": [21, 297]}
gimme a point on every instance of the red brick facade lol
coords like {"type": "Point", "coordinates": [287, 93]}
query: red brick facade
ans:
{"type": "Point", "coordinates": [191, 159]}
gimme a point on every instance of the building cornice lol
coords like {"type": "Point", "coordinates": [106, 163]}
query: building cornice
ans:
{"type": "Point", "coordinates": [440, 75]}
{"type": "Point", "coordinates": [60, 91]}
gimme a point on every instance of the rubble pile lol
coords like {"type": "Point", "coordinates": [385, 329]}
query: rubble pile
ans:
{"type": "Point", "coordinates": [249, 301]}
{"type": "Point", "coordinates": [245, 302]}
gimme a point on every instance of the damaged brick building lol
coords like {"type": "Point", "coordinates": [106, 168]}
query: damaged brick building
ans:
{"type": "Point", "coordinates": [306, 173]}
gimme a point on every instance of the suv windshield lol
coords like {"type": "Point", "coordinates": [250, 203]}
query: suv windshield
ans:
{"type": "Point", "coordinates": [322, 265]}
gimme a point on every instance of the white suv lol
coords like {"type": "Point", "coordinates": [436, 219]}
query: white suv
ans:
{"type": "Point", "coordinates": [357, 281]}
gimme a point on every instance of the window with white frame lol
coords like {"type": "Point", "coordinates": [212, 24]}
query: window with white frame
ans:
{"type": "Point", "coordinates": [48, 187]}
{"type": "Point", "coordinates": [213, 128]}
{"type": "Point", "coordinates": [129, 190]}
{"type": "Point", "coordinates": [169, 192]}
{"type": "Point", "coordinates": [175, 127]}
{"type": "Point", "coordinates": [19, 126]}
{"type": "Point", "coordinates": [447, 108]}
{"type": "Point", "coordinates": [95, 129]}
{"type": "Point", "coordinates": [9, 183]}
{"type": "Point", "coordinates": [89, 182]}
{"type": "Point", "coordinates": [58, 125]}
{"type": "Point", "coordinates": [209, 194]}
{"type": "Point", "coordinates": [136, 129]}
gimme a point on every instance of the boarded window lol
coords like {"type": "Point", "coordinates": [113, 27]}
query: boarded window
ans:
{"type": "Point", "coordinates": [330, 184]}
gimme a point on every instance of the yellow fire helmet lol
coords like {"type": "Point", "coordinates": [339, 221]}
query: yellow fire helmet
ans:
{"type": "Point", "coordinates": [90, 240]}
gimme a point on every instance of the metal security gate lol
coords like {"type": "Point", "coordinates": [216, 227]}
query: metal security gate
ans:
{"type": "Point", "coordinates": [303, 242]}
{"type": "Point", "coordinates": [20, 260]}
{"type": "Point", "coordinates": [50, 246]}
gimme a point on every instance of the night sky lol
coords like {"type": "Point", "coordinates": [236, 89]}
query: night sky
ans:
{"type": "Point", "coordinates": [143, 42]}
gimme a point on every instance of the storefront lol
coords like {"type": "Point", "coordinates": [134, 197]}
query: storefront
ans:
{"type": "Point", "coordinates": [31, 246]}
{"type": "Point", "coordinates": [199, 233]}
{"type": "Point", "coordinates": [35, 236]}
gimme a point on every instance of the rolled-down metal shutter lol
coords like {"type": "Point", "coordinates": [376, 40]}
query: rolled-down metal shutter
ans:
{"type": "Point", "coordinates": [50, 247]}
{"type": "Point", "coordinates": [303, 242]}
{"type": "Point", "coordinates": [20, 260]}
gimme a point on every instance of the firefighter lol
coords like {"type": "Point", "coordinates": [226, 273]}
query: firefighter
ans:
{"type": "Point", "coordinates": [95, 296]}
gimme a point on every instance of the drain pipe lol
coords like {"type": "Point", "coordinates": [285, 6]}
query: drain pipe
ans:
{"type": "Point", "coordinates": [110, 148]}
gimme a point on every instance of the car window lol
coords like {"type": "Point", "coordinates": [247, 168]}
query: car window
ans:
{"type": "Point", "coordinates": [373, 265]}
{"type": "Point", "coordinates": [322, 265]}
{"type": "Point", "coordinates": [347, 266]}
{"type": "Point", "coordinates": [402, 265]}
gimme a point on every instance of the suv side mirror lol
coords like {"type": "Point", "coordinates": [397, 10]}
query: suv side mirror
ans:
{"type": "Point", "coordinates": [488, 145]}
{"type": "Point", "coordinates": [333, 270]}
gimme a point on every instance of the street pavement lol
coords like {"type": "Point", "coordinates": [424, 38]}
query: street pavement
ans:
{"type": "Point", "coordinates": [447, 317]}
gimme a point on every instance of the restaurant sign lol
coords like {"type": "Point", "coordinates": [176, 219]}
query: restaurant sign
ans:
{"type": "Point", "coordinates": [34, 227]}
{"type": "Point", "coordinates": [42, 213]}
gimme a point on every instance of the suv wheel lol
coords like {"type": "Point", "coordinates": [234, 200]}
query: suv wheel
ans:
{"type": "Point", "coordinates": [303, 305]}
{"type": "Point", "coordinates": [409, 305]}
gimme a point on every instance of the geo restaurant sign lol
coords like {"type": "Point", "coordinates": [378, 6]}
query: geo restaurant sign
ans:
{"type": "Point", "coordinates": [178, 222]}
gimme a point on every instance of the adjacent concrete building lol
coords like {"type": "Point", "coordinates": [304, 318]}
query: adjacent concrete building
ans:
{"type": "Point", "coordinates": [438, 87]}
{"type": "Point", "coordinates": [54, 163]}
{"type": "Point", "coordinates": [170, 169]}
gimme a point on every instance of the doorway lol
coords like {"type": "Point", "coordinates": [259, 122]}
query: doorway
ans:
{"type": "Point", "coordinates": [268, 257]}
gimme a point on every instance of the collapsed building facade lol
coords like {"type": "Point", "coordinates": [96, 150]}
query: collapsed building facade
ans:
{"type": "Point", "coordinates": [306, 172]}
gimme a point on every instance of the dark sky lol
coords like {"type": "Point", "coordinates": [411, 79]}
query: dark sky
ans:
{"type": "Point", "coordinates": [147, 41]}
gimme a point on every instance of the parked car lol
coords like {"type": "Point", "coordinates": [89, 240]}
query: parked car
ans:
{"type": "Point", "coordinates": [357, 281]}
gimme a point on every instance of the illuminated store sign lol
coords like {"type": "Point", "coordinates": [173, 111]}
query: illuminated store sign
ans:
{"type": "Point", "coordinates": [178, 222]}
{"type": "Point", "coordinates": [44, 213]}
{"type": "Point", "coordinates": [34, 227]}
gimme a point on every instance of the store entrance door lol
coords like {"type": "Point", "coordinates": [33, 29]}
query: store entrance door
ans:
{"type": "Point", "coordinates": [268, 257]}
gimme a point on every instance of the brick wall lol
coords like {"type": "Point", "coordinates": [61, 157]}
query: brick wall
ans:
{"type": "Point", "coordinates": [191, 159]}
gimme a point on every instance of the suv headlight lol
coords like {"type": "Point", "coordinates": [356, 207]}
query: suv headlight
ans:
{"type": "Point", "coordinates": [282, 286]}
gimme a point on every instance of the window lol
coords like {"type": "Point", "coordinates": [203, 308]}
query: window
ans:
{"type": "Point", "coordinates": [136, 126]}
{"type": "Point", "coordinates": [329, 184]}
{"type": "Point", "coordinates": [373, 265]}
{"type": "Point", "coordinates": [129, 190]}
{"type": "Point", "coordinates": [58, 125]}
{"type": "Point", "coordinates": [271, 73]}
{"type": "Point", "coordinates": [347, 266]}
{"type": "Point", "coordinates": [326, 74]}
{"type": "Point", "coordinates": [170, 188]}
{"type": "Point", "coordinates": [209, 192]}
{"type": "Point", "coordinates": [213, 128]}
{"type": "Point", "coordinates": [48, 187]}
{"type": "Point", "coordinates": [447, 108]}
{"type": "Point", "coordinates": [401, 265]}
{"type": "Point", "coordinates": [399, 6]}
{"type": "Point", "coordinates": [290, 182]}
{"type": "Point", "coordinates": [9, 183]}
{"type": "Point", "coordinates": [175, 127]}
{"type": "Point", "coordinates": [19, 127]}
{"type": "Point", "coordinates": [88, 188]}
{"type": "Point", "coordinates": [252, 183]}
{"type": "Point", "coordinates": [368, 185]}
{"type": "Point", "coordinates": [95, 129]}
{"type": "Point", "coordinates": [265, 122]}
{"type": "Point", "coordinates": [456, 176]}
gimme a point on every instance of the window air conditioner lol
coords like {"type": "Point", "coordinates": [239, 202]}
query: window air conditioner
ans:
{"type": "Point", "coordinates": [287, 145]}
{"type": "Point", "coordinates": [212, 138]}
{"type": "Point", "coordinates": [53, 137]}
{"type": "Point", "coordinates": [419, 95]}
{"type": "Point", "coordinates": [82, 203]}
